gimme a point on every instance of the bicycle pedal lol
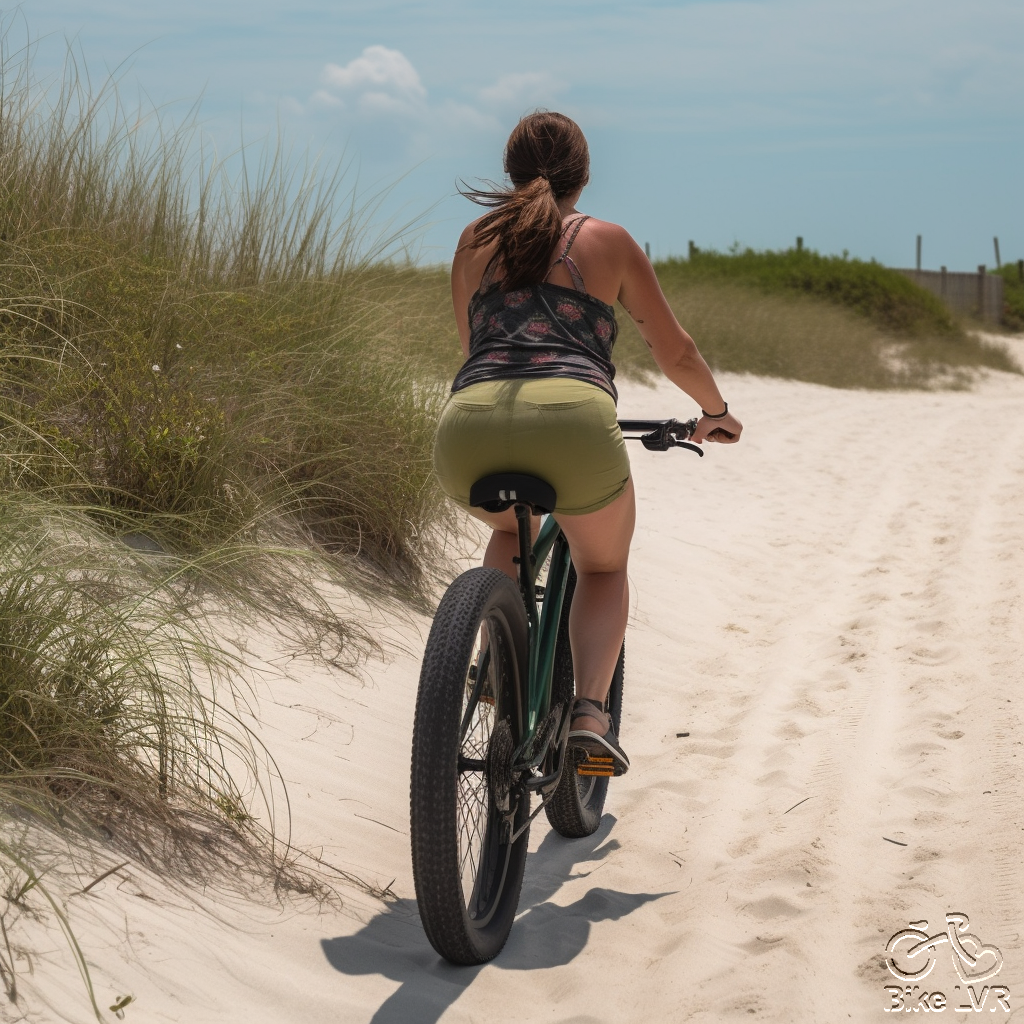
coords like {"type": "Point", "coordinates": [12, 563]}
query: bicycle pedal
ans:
{"type": "Point", "coordinates": [603, 767]}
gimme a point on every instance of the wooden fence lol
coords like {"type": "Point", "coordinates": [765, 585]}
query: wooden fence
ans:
{"type": "Point", "coordinates": [979, 294]}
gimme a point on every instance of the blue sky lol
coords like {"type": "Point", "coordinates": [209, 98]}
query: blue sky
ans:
{"type": "Point", "coordinates": [857, 125]}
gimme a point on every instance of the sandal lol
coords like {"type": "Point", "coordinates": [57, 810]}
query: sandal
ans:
{"type": "Point", "coordinates": [602, 750]}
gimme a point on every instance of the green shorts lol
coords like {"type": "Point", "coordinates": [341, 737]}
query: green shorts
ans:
{"type": "Point", "coordinates": [562, 430]}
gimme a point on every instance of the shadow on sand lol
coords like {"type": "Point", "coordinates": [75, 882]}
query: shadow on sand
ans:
{"type": "Point", "coordinates": [545, 935]}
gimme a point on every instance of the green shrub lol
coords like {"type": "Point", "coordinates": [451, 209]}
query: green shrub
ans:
{"type": "Point", "coordinates": [885, 297]}
{"type": "Point", "coordinates": [1013, 296]}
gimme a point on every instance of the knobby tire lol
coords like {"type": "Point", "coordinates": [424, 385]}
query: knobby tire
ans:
{"type": "Point", "coordinates": [467, 901]}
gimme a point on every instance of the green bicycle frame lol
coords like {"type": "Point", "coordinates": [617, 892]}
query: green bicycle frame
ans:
{"type": "Point", "coordinates": [543, 626]}
{"type": "Point", "coordinates": [657, 435]}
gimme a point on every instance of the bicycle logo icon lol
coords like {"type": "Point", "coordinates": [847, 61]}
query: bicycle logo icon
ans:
{"type": "Point", "coordinates": [910, 948]}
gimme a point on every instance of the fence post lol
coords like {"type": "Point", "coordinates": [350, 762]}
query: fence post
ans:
{"type": "Point", "coordinates": [647, 249]}
{"type": "Point", "coordinates": [999, 262]}
{"type": "Point", "coordinates": [1020, 270]}
{"type": "Point", "coordinates": [919, 254]}
{"type": "Point", "coordinates": [981, 291]}
{"type": "Point", "coordinates": [942, 283]}
{"type": "Point", "coordinates": [799, 243]}
{"type": "Point", "coordinates": [691, 249]}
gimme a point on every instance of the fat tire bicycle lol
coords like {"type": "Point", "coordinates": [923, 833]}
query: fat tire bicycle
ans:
{"type": "Point", "coordinates": [491, 726]}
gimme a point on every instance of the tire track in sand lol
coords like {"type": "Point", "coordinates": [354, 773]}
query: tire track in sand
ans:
{"type": "Point", "coordinates": [866, 663]}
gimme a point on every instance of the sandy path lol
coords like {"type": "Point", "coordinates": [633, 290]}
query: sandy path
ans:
{"type": "Point", "coordinates": [833, 612]}
{"type": "Point", "coordinates": [857, 647]}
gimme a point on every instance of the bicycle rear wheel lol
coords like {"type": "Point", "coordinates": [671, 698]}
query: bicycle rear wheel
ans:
{"type": "Point", "coordinates": [467, 871]}
{"type": "Point", "coordinates": [575, 808]}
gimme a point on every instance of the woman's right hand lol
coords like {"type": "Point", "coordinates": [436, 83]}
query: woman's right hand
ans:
{"type": "Point", "coordinates": [726, 430]}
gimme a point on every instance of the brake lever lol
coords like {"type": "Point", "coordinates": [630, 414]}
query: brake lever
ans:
{"type": "Point", "coordinates": [659, 440]}
{"type": "Point", "coordinates": [692, 447]}
{"type": "Point", "coordinates": [667, 436]}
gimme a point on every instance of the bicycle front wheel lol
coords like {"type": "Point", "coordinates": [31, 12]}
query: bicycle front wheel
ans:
{"type": "Point", "coordinates": [465, 804]}
{"type": "Point", "coordinates": [575, 808]}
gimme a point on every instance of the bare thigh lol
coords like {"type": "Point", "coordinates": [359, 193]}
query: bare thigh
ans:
{"type": "Point", "coordinates": [599, 541]}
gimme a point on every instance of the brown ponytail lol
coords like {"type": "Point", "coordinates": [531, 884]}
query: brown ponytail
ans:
{"type": "Point", "coordinates": [546, 158]}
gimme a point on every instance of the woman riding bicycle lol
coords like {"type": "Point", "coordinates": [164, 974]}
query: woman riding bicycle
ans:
{"type": "Point", "coordinates": [533, 283]}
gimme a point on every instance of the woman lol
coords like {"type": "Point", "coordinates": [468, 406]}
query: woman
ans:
{"type": "Point", "coordinates": [533, 283]}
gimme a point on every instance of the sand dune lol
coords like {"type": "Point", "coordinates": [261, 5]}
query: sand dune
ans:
{"type": "Point", "coordinates": [833, 611]}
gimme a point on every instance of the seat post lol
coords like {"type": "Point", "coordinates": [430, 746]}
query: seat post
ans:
{"type": "Point", "coordinates": [523, 515]}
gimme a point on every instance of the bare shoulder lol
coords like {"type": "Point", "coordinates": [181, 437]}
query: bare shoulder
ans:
{"type": "Point", "coordinates": [610, 236]}
{"type": "Point", "coordinates": [468, 234]}
{"type": "Point", "coordinates": [605, 228]}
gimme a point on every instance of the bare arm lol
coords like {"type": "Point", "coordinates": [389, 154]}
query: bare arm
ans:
{"type": "Point", "coordinates": [673, 349]}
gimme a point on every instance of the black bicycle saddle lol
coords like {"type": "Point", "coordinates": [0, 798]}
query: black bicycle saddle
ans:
{"type": "Point", "coordinates": [500, 491]}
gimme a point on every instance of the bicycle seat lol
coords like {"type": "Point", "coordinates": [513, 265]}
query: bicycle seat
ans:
{"type": "Point", "coordinates": [500, 491]}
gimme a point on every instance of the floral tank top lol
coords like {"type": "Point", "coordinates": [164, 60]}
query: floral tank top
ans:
{"type": "Point", "coordinates": [541, 330]}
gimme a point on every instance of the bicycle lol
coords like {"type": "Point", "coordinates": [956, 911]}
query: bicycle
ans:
{"type": "Point", "coordinates": [492, 723]}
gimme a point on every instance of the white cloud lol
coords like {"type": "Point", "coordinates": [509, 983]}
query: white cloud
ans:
{"type": "Point", "coordinates": [375, 104]}
{"type": "Point", "coordinates": [379, 70]}
{"type": "Point", "coordinates": [381, 86]}
{"type": "Point", "coordinates": [522, 87]}
{"type": "Point", "coordinates": [323, 98]}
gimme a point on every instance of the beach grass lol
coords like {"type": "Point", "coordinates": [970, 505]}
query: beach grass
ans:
{"type": "Point", "coordinates": [122, 723]}
{"type": "Point", "coordinates": [770, 329]}
{"type": "Point", "coordinates": [746, 330]}
{"type": "Point", "coordinates": [207, 358]}
{"type": "Point", "coordinates": [202, 426]}
{"type": "Point", "coordinates": [823, 319]}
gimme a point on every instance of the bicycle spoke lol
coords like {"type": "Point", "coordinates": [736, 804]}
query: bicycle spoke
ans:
{"type": "Point", "coordinates": [473, 796]}
{"type": "Point", "coordinates": [482, 666]}
{"type": "Point", "coordinates": [473, 804]}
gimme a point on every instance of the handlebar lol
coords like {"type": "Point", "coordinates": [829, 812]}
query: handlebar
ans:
{"type": "Point", "coordinates": [660, 435]}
